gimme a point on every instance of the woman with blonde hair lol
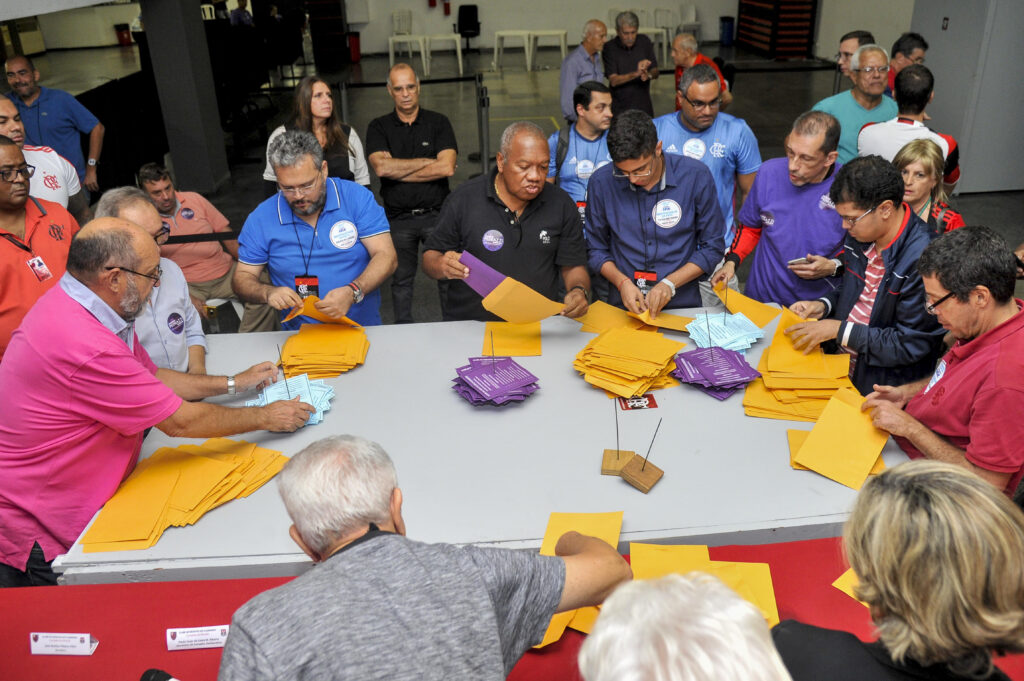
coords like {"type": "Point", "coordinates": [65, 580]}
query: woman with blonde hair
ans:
{"type": "Point", "coordinates": [939, 553]}
{"type": "Point", "coordinates": [921, 164]}
{"type": "Point", "coordinates": [313, 111]}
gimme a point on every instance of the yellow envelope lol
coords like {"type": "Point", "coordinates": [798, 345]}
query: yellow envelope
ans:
{"type": "Point", "coordinates": [650, 561]}
{"type": "Point", "coordinates": [752, 581]}
{"type": "Point", "coordinates": [782, 356]}
{"type": "Point", "coordinates": [844, 445]}
{"type": "Point", "coordinates": [516, 302]}
{"type": "Point", "coordinates": [664, 320]}
{"type": "Point", "coordinates": [584, 618]}
{"type": "Point", "coordinates": [601, 316]}
{"type": "Point", "coordinates": [505, 339]}
{"type": "Point", "coordinates": [604, 526]}
{"type": "Point", "coordinates": [846, 583]}
{"type": "Point", "coordinates": [308, 309]}
{"type": "Point", "coordinates": [755, 311]}
{"type": "Point", "coordinates": [134, 512]}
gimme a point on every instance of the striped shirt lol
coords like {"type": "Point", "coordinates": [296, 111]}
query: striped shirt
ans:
{"type": "Point", "coordinates": [861, 312]}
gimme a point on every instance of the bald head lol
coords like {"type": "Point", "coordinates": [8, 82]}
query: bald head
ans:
{"type": "Point", "coordinates": [595, 34]}
{"type": "Point", "coordinates": [109, 242]}
{"type": "Point", "coordinates": [404, 88]}
{"type": "Point", "coordinates": [22, 76]}
{"type": "Point", "coordinates": [684, 50]}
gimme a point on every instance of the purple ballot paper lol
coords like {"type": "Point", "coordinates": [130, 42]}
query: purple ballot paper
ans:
{"type": "Point", "coordinates": [482, 278]}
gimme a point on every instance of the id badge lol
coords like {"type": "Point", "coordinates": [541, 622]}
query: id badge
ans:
{"type": "Point", "coordinates": [644, 280]}
{"type": "Point", "coordinates": [581, 206]}
{"type": "Point", "coordinates": [39, 268]}
{"type": "Point", "coordinates": [306, 285]}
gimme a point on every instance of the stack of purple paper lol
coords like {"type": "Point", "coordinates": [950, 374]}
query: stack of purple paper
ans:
{"type": "Point", "coordinates": [715, 371]}
{"type": "Point", "coordinates": [494, 380]}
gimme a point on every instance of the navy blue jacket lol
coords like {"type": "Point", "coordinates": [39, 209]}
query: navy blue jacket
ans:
{"type": "Point", "coordinates": [902, 342]}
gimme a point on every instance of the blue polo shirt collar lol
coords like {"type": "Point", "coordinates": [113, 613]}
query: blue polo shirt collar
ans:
{"type": "Point", "coordinates": [284, 212]}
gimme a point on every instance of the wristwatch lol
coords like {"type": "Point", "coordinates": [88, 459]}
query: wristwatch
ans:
{"type": "Point", "coordinates": [231, 385]}
{"type": "Point", "coordinates": [357, 293]}
{"type": "Point", "coordinates": [92, 162]}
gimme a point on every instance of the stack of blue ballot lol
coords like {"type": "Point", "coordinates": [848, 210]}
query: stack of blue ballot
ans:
{"type": "Point", "coordinates": [494, 380]}
{"type": "Point", "coordinates": [724, 330]}
{"type": "Point", "coordinates": [315, 392]}
{"type": "Point", "coordinates": [715, 371]}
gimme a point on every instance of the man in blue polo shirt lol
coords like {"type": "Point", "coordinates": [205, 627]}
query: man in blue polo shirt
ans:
{"type": "Point", "coordinates": [318, 236]}
{"type": "Point", "coordinates": [654, 229]}
{"type": "Point", "coordinates": [55, 119]}
{"type": "Point", "coordinates": [586, 141]}
{"type": "Point", "coordinates": [724, 143]}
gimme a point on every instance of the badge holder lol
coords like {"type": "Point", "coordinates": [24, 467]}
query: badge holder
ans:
{"type": "Point", "coordinates": [307, 285]}
{"type": "Point", "coordinates": [612, 460]}
{"type": "Point", "coordinates": [644, 280]}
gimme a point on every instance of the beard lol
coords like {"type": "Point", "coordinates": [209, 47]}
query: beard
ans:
{"type": "Point", "coordinates": [132, 303]}
{"type": "Point", "coordinates": [312, 207]}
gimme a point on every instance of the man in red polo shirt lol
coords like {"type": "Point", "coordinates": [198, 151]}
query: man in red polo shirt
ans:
{"type": "Point", "coordinates": [208, 265]}
{"type": "Point", "coordinates": [34, 239]}
{"type": "Point", "coordinates": [685, 56]}
{"type": "Point", "coordinates": [971, 410]}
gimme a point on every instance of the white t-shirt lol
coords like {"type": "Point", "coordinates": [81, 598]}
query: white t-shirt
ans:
{"type": "Point", "coordinates": [55, 178]}
{"type": "Point", "coordinates": [356, 158]}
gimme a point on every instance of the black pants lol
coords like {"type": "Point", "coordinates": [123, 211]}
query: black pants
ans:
{"type": "Point", "coordinates": [408, 232]}
{"type": "Point", "coordinates": [37, 572]}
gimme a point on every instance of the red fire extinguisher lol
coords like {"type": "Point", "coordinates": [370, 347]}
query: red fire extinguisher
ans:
{"type": "Point", "coordinates": [447, 8]}
{"type": "Point", "coordinates": [431, 3]}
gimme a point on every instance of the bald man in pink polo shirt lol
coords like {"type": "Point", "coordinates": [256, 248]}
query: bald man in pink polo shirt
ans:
{"type": "Point", "coordinates": [79, 391]}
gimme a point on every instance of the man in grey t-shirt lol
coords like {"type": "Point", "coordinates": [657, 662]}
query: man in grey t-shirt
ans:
{"type": "Point", "coordinates": [381, 606]}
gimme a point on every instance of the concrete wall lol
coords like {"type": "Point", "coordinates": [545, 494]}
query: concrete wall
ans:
{"type": "Point", "coordinates": [569, 15]}
{"type": "Point", "coordinates": [86, 26]}
{"type": "Point", "coordinates": [886, 19]}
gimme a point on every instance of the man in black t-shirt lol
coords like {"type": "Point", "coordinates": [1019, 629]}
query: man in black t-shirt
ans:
{"type": "Point", "coordinates": [630, 64]}
{"type": "Point", "coordinates": [413, 152]}
{"type": "Point", "coordinates": [517, 223]}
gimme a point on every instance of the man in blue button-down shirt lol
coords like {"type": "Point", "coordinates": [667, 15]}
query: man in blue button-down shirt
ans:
{"type": "Point", "coordinates": [583, 64]}
{"type": "Point", "coordinates": [654, 228]}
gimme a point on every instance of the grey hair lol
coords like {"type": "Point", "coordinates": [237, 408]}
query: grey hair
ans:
{"type": "Point", "coordinates": [113, 246]}
{"type": "Point", "coordinates": [591, 26]}
{"type": "Point", "coordinates": [701, 73]}
{"type": "Point", "coordinates": [115, 200]}
{"type": "Point", "coordinates": [870, 47]}
{"type": "Point", "coordinates": [514, 129]}
{"type": "Point", "coordinates": [290, 147]}
{"type": "Point", "coordinates": [336, 486]}
{"type": "Point", "coordinates": [677, 628]}
{"type": "Point", "coordinates": [626, 19]}
{"type": "Point", "coordinates": [687, 41]}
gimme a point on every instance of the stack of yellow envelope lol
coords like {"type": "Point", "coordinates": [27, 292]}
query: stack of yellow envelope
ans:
{"type": "Point", "coordinates": [324, 350]}
{"type": "Point", "coordinates": [601, 316]}
{"type": "Point", "coordinates": [628, 362]}
{"type": "Point", "coordinates": [754, 310]}
{"type": "Point", "coordinates": [794, 386]}
{"type": "Point", "coordinates": [752, 581]}
{"type": "Point", "coordinates": [175, 487]}
{"type": "Point", "coordinates": [604, 526]}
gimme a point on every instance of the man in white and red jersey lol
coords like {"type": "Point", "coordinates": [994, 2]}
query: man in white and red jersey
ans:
{"type": "Point", "coordinates": [55, 179]}
{"type": "Point", "coordinates": [915, 87]}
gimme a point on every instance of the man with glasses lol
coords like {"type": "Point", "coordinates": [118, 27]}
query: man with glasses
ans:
{"type": "Point", "coordinates": [724, 143]}
{"type": "Point", "coordinates": [413, 151]}
{"type": "Point", "coordinates": [55, 179]}
{"type": "Point", "coordinates": [208, 265]}
{"type": "Point", "coordinates": [630, 65]}
{"type": "Point", "coordinates": [34, 238]}
{"type": "Point", "coordinates": [516, 222]}
{"type": "Point", "coordinates": [908, 49]}
{"type": "Point", "coordinates": [849, 44]}
{"type": "Point", "coordinates": [318, 236]}
{"type": "Point", "coordinates": [654, 227]}
{"type": "Point", "coordinates": [169, 326]}
{"type": "Point", "coordinates": [877, 313]}
{"type": "Point", "coordinates": [967, 412]}
{"type": "Point", "coordinates": [79, 391]}
{"type": "Point", "coordinates": [865, 102]}
{"type": "Point", "coordinates": [790, 220]}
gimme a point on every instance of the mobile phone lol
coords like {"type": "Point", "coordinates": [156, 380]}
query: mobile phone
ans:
{"type": "Point", "coordinates": [798, 261]}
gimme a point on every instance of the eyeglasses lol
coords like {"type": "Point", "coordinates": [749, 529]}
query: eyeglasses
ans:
{"type": "Point", "coordinates": [854, 221]}
{"type": "Point", "coordinates": [300, 190]}
{"type": "Point", "coordinates": [11, 174]}
{"type": "Point", "coordinates": [698, 105]}
{"type": "Point", "coordinates": [154, 277]}
{"type": "Point", "coordinates": [163, 235]}
{"type": "Point", "coordinates": [930, 307]}
{"type": "Point", "coordinates": [873, 69]}
{"type": "Point", "coordinates": [636, 173]}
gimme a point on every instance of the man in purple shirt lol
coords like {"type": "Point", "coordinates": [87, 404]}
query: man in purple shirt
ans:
{"type": "Point", "coordinates": [789, 214]}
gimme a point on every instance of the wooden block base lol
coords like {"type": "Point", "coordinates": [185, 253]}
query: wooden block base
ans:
{"type": "Point", "coordinates": [643, 479]}
{"type": "Point", "coordinates": [614, 459]}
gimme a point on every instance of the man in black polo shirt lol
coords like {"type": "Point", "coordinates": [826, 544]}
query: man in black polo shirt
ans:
{"type": "Point", "coordinates": [517, 223]}
{"type": "Point", "coordinates": [630, 65]}
{"type": "Point", "coordinates": [413, 152]}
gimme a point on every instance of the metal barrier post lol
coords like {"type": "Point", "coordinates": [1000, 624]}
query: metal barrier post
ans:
{"type": "Point", "coordinates": [483, 106]}
{"type": "Point", "coordinates": [344, 101]}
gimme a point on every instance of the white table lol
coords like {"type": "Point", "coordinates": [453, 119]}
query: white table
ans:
{"type": "Point", "coordinates": [660, 36]}
{"type": "Point", "coordinates": [499, 46]}
{"type": "Point", "coordinates": [489, 475]}
{"type": "Point", "coordinates": [419, 40]}
{"type": "Point", "coordinates": [441, 38]}
{"type": "Point", "coordinates": [535, 37]}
